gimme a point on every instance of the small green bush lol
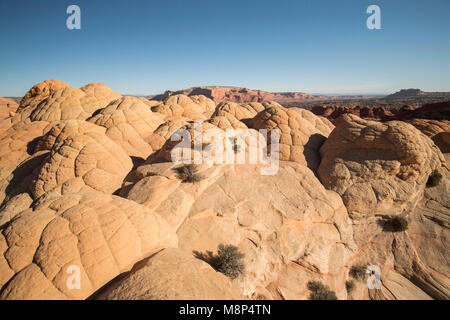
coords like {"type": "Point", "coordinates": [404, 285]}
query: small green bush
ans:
{"type": "Point", "coordinates": [434, 179]}
{"type": "Point", "coordinates": [188, 173]}
{"type": "Point", "coordinates": [229, 261]}
{"type": "Point", "coordinates": [319, 291]}
{"type": "Point", "coordinates": [358, 272]}
{"type": "Point", "coordinates": [350, 285]}
{"type": "Point", "coordinates": [398, 224]}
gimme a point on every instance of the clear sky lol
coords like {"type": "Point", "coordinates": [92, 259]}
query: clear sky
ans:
{"type": "Point", "coordinates": [146, 47]}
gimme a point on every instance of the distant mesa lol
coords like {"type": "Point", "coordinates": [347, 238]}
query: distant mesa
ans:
{"type": "Point", "coordinates": [416, 93]}
{"type": "Point", "coordinates": [405, 93]}
{"type": "Point", "coordinates": [235, 94]}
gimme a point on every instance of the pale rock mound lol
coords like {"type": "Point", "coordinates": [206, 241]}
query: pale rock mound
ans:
{"type": "Point", "coordinates": [172, 275]}
{"type": "Point", "coordinates": [227, 122]}
{"type": "Point", "coordinates": [438, 131]}
{"type": "Point", "coordinates": [149, 103]}
{"type": "Point", "coordinates": [290, 228]}
{"type": "Point", "coordinates": [195, 107]}
{"type": "Point", "coordinates": [165, 131]}
{"type": "Point", "coordinates": [320, 123]}
{"type": "Point", "coordinates": [100, 235]}
{"type": "Point", "coordinates": [15, 147]}
{"type": "Point", "coordinates": [301, 133]}
{"type": "Point", "coordinates": [66, 129]}
{"type": "Point", "coordinates": [40, 92]}
{"type": "Point", "coordinates": [82, 158]}
{"type": "Point", "coordinates": [130, 123]}
{"type": "Point", "coordinates": [71, 103]}
{"type": "Point", "coordinates": [414, 263]}
{"type": "Point", "coordinates": [14, 206]}
{"type": "Point", "coordinates": [8, 108]}
{"type": "Point", "coordinates": [211, 144]}
{"type": "Point", "coordinates": [431, 127]}
{"type": "Point", "coordinates": [101, 92]}
{"type": "Point", "coordinates": [377, 168]}
{"type": "Point", "coordinates": [240, 112]}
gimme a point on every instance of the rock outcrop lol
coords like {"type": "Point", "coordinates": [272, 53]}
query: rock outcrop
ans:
{"type": "Point", "coordinates": [93, 207]}
{"type": "Point", "coordinates": [40, 92]}
{"type": "Point", "coordinates": [130, 123]}
{"type": "Point", "coordinates": [301, 133]}
{"type": "Point", "coordinates": [235, 94]}
{"type": "Point", "coordinates": [8, 108]}
{"type": "Point", "coordinates": [284, 225]}
{"type": "Point", "coordinates": [172, 274]}
{"type": "Point", "coordinates": [194, 107]}
{"type": "Point", "coordinates": [82, 158]}
{"type": "Point", "coordinates": [16, 146]}
{"type": "Point", "coordinates": [95, 235]}
{"type": "Point", "coordinates": [377, 168]}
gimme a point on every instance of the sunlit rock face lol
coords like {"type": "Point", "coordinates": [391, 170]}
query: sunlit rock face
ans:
{"type": "Point", "coordinates": [90, 194]}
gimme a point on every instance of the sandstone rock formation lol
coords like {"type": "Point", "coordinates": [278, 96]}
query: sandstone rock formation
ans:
{"type": "Point", "coordinates": [301, 134]}
{"type": "Point", "coordinates": [172, 274]}
{"type": "Point", "coordinates": [88, 187]}
{"type": "Point", "coordinates": [15, 147]}
{"type": "Point", "coordinates": [194, 107]}
{"type": "Point", "coordinates": [240, 112]}
{"type": "Point", "coordinates": [71, 103]}
{"type": "Point", "coordinates": [40, 92]}
{"type": "Point", "coordinates": [285, 226]}
{"type": "Point", "coordinates": [82, 158]}
{"type": "Point", "coordinates": [100, 235]}
{"type": "Point", "coordinates": [54, 100]}
{"type": "Point", "coordinates": [8, 108]}
{"type": "Point", "coordinates": [377, 168]}
{"type": "Point", "coordinates": [235, 94]}
{"type": "Point", "coordinates": [414, 264]}
{"type": "Point", "coordinates": [130, 123]}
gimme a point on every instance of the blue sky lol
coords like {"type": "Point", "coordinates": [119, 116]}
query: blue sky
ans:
{"type": "Point", "coordinates": [146, 47]}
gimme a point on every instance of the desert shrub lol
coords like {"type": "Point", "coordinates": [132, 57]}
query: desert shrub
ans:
{"type": "Point", "coordinates": [188, 173]}
{"type": "Point", "coordinates": [434, 179]}
{"type": "Point", "coordinates": [350, 285]}
{"type": "Point", "coordinates": [229, 261]}
{"type": "Point", "coordinates": [319, 291]}
{"type": "Point", "coordinates": [398, 224]}
{"type": "Point", "coordinates": [358, 272]}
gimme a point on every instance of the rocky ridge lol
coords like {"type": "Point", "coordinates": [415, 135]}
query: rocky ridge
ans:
{"type": "Point", "coordinates": [87, 184]}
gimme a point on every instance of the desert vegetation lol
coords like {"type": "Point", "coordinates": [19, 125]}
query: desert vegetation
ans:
{"type": "Point", "coordinates": [189, 173]}
{"type": "Point", "coordinates": [358, 272]}
{"type": "Point", "coordinates": [434, 179]}
{"type": "Point", "coordinates": [398, 223]}
{"type": "Point", "coordinates": [319, 291]}
{"type": "Point", "coordinates": [228, 260]}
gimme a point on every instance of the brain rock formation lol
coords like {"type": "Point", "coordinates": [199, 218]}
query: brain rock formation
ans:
{"type": "Point", "coordinates": [194, 107]}
{"type": "Point", "coordinates": [82, 158]}
{"type": "Point", "coordinates": [130, 123]}
{"type": "Point", "coordinates": [8, 107]}
{"type": "Point", "coordinates": [285, 226]}
{"type": "Point", "coordinates": [172, 274]}
{"type": "Point", "coordinates": [93, 207]}
{"type": "Point", "coordinates": [99, 235]}
{"type": "Point", "coordinates": [301, 133]}
{"type": "Point", "coordinates": [15, 147]}
{"type": "Point", "coordinates": [377, 168]}
{"type": "Point", "coordinates": [40, 92]}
